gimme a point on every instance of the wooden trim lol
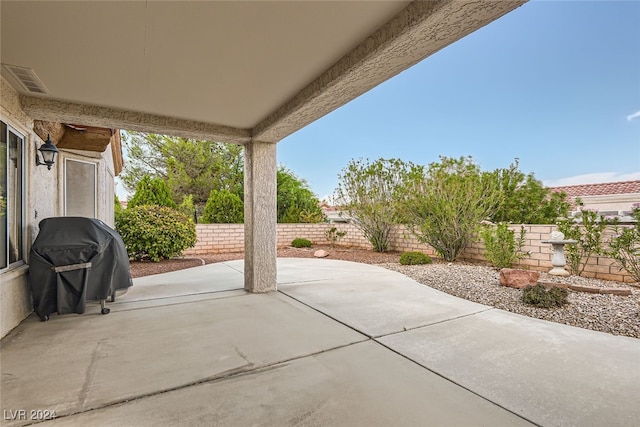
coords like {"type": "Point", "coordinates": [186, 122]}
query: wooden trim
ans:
{"type": "Point", "coordinates": [116, 152]}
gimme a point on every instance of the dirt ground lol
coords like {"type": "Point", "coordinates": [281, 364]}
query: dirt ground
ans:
{"type": "Point", "coordinates": [146, 268]}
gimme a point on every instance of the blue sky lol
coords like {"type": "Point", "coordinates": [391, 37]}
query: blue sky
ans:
{"type": "Point", "coordinates": [553, 83]}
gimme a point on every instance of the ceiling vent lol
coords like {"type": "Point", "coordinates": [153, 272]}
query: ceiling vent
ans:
{"type": "Point", "coordinates": [27, 78]}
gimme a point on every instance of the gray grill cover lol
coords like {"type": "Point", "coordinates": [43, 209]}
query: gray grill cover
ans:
{"type": "Point", "coordinates": [74, 240]}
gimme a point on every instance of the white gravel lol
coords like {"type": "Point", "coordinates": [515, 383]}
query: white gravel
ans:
{"type": "Point", "coordinates": [613, 314]}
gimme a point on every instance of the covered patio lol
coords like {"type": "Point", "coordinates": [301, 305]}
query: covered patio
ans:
{"type": "Point", "coordinates": [267, 341]}
{"type": "Point", "coordinates": [340, 343]}
{"type": "Point", "coordinates": [249, 73]}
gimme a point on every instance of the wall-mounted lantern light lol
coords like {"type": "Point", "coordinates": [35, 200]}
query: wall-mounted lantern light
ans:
{"type": "Point", "coordinates": [49, 152]}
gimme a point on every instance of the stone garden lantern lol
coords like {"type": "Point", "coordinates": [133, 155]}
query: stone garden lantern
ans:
{"type": "Point", "coordinates": [558, 261]}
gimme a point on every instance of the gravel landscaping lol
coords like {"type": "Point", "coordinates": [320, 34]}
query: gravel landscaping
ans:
{"type": "Point", "coordinates": [617, 315]}
{"type": "Point", "coordinates": [613, 314]}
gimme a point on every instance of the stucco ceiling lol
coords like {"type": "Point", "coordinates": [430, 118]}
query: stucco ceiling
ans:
{"type": "Point", "coordinates": [242, 66]}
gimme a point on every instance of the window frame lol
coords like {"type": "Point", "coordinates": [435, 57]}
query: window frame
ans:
{"type": "Point", "coordinates": [22, 256]}
{"type": "Point", "coordinates": [65, 181]}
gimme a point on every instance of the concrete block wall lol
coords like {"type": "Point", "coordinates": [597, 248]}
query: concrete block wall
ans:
{"type": "Point", "coordinates": [218, 239]}
{"type": "Point", "coordinates": [402, 240]}
{"type": "Point", "coordinates": [317, 234]}
{"type": "Point", "coordinates": [224, 238]}
{"type": "Point", "coordinates": [540, 254]}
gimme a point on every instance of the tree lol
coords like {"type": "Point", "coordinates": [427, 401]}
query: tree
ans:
{"type": "Point", "coordinates": [189, 167]}
{"type": "Point", "coordinates": [223, 207]}
{"type": "Point", "coordinates": [525, 200]}
{"type": "Point", "coordinates": [296, 203]}
{"type": "Point", "coordinates": [152, 192]}
{"type": "Point", "coordinates": [445, 206]}
{"type": "Point", "coordinates": [368, 193]}
{"type": "Point", "coordinates": [145, 157]}
{"type": "Point", "coordinates": [195, 168]}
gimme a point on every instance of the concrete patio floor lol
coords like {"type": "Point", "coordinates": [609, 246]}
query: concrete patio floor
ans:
{"type": "Point", "coordinates": [340, 344]}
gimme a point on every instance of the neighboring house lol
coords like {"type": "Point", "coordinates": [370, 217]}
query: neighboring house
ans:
{"type": "Point", "coordinates": [333, 213]}
{"type": "Point", "coordinates": [609, 198]}
{"type": "Point", "coordinates": [80, 183]}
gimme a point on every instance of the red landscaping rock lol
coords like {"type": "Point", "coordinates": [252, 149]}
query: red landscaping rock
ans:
{"type": "Point", "coordinates": [588, 289]}
{"type": "Point", "coordinates": [515, 278]}
{"type": "Point", "coordinates": [549, 285]}
{"type": "Point", "coordinates": [616, 291]}
{"type": "Point", "coordinates": [321, 254]}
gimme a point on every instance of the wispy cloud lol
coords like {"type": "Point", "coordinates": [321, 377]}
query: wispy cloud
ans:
{"type": "Point", "coordinates": [633, 116]}
{"type": "Point", "coordinates": [592, 178]}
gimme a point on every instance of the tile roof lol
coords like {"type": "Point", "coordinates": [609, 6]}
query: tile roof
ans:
{"type": "Point", "coordinates": [601, 189]}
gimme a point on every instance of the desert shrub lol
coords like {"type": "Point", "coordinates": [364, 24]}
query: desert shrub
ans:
{"type": "Point", "coordinates": [155, 232]}
{"type": "Point", "coordinates": [624, 246]}
{"type": "Point", "coordinates": [444, 205]}
{"type": "Point", "coordinates": [501, 248]}
{"type": "Point", "coordinates": [588, 233]}
{"type": "Point", "coordinates": [414, 258]}
{"type": "Point", "coordinates": [368, 194]}
{"type": "Point", "coordinates": [539, 296]}
{"type": "Point", "coordinates": [333, 235]}
{"type": "Point", "coordinates": [151, 192]}
{"type": "Point", "coordinates": [223, 207]}
{"type": "Point", "coordinates": [301, 243]}
{"type": "Point", "coordinates": [525, 200]}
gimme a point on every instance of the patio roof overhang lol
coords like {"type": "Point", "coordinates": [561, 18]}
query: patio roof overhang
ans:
{"type": "Point", "coordinates": [249, 73]}
{"type": "Point", "coordinates": [225, 71]}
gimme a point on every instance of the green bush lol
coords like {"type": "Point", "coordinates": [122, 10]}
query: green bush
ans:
{"type": "Point", "coordinates": [501, 248]}
{"type": "Point", "coordinates": [151, 192]}
{"type": "Point", "coordinates": [117, 206]}
{"type": "Point", "coordinates": [413, 258]}
{"type": "Point", "coordinates": [155, 232]}
{"type": "Point", "coordinates": [223, 207]}
{"type": "Point", "coordinates": [301, 243]}
{"type": "Point", "coordinates": [539, 296]}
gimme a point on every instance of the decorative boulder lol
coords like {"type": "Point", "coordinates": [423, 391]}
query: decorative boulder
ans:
{"type": "Point", "coordinates": [519, 279]}
{"type": "Point", "coordinates": [321, 254]}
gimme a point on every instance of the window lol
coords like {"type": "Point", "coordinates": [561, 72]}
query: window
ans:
{"type": "Point", "coordinates": [80, 188]}
{"type": "Point", "coordinates": [11, 196]}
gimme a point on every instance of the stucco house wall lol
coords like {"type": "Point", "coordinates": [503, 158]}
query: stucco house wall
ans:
{"type": "Point", "coordinates": [611, 204]}
{"type": "Point", "coordinates": [43, 193]}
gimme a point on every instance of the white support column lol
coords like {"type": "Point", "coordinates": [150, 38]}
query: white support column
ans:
{"type": "Point", "coordinates": [260, 216]}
